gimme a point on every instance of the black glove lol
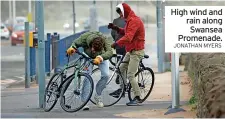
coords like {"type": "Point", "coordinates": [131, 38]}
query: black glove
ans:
{"type": "Point", "coordinates": [114, 27]}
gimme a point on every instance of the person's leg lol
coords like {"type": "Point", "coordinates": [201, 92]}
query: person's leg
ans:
{"type": "Point", "coordinates": [86, 86]}
{"type": "Point", "coordinates": [135, 58]}
{"type": "Point", "coordinates": [104, 68]}
{"type": "Point", "coordinates": [123, 68]}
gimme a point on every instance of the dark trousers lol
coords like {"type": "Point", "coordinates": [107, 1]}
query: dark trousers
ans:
{"type": "Point", "coordinates": [120, 51]}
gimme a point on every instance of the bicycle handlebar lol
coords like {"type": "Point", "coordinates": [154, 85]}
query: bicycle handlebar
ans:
{"type": "Point", "coordinates": [116, 56]}
{"type": "Point", "coordinates": [110, 59]}
{"type": "Point", "coordinates": [83, 54]}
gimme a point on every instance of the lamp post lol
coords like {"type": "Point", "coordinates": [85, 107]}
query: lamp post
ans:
{"type": "Point", "coordinates": [41, 51]}
{"type": "Point", "coordinates": [74, 17]}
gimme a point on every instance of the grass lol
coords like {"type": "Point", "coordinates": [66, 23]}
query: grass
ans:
{"type": "Point", "coordinates": [193, 100]}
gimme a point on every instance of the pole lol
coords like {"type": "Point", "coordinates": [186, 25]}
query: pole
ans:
{"type": "Point", "coordinates": [29, 6]}
{"type": "Point", "coordinates": [138, 8]}
{"type": "Point", "coordinates": [93, 17]}
{"type": "Point", "coordinates": [175, 85]}
{"type": "Point", "coordinates": [166, 57]}
{"type": "Point", "coordinates": [10, 11]}
{"type": "Point", "coordinates": [175, 80]}
{"type": "Point", "coordinates": [14, 12]}
{"type": "Point", "coordinates": [36, 13]}
{"type": "Point", "coordinates": [74, 17]}
{"type": "Point", "coordinates": [160, 51]}
{"type": "Point", "coordinates": [29, 15]}
{"type": "Point", "coordinates": [111, 9]}
{"type": "Point", "coordinates": [27, 56]}
{"type": "Point", "coordinates": [41, 52]}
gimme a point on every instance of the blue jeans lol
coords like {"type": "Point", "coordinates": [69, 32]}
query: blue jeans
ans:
{"type": "Point", "coordinates": [104, 68]}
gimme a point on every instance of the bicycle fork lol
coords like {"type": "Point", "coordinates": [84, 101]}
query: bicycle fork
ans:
{"type": "Point", "coordinates": [76, 80]}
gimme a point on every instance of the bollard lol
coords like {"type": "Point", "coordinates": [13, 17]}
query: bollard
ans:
{"type": "Point", "coordinates": [27, 56]}
{"type": "Point", "coordinates": [32, 62]}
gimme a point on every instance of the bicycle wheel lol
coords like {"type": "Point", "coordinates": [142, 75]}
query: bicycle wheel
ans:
{"type": "Point", "coordinates": [52, 92]}
{"type": "Point", "coordinates": [146, 80]}
{"type": "Point", "coordinates": [111, 87]}
{"type": "Point", "coordinates": [75, 88]}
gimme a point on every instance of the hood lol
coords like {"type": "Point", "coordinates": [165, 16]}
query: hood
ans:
{"type": "Point", "coordinates": [92, 35]}
{"type": "Point", "coordinates": [125, 9]}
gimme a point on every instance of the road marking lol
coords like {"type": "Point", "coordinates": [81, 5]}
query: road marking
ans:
{"type": "Point", "coordinates": [20, 77]}
{"type": "Point", "coordinates": [6, 82]}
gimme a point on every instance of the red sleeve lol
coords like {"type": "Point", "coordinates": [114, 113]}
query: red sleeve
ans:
{"type": "Point", "coordinates": [130, 32]}
{"type": "Point", "coordinates": [121, 31]}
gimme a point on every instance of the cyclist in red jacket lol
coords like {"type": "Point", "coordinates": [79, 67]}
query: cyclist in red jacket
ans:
{"type": "Point", "coordinates": [134, 40]}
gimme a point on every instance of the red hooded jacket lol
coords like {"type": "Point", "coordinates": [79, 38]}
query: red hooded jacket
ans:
{"type": "Point", "coordinates": [134, 31]}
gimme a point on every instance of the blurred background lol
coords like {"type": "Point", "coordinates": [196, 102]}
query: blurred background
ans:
{"type": "Point", "coordinates": [58, 17]}
{"type": "Point", "coordinates": [59, 13]}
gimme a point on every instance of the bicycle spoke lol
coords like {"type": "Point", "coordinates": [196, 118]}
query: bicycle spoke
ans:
{"type": "Point", "coordinates": [51, 91]}
{"type": "Point", "coordinates": [73, 95]}
{"type": "Point", "coordinates": [111, 86]}
{"type": "Point", "coordinates": [145, 82]}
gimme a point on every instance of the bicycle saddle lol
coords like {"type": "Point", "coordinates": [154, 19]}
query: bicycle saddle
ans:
{"type": "Point", "coordinates": [146, 56]}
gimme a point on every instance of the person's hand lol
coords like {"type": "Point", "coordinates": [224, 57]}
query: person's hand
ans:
{"type": "Point", "coordinates": [97, 60]}
{"type": "Point", "coordinates": [114, 27]}
{"type": "Point", "coordinates": [113, 45]}
{"type": "Point", "coordinates": [70, 51]}
{"type": "Point", "coordinates": [110, 26]}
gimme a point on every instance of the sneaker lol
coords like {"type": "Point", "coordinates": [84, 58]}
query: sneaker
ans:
{"type": "Point", "coordinates": [86, 108]}
{"type": "Point", "coordinates": [98, 101]}
{"type": "Point", "coordinates": [134, 102]}
{"type": "Point", "coordinates": [116, 93]}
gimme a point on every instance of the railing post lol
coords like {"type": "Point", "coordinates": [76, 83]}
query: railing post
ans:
{"type": "Point", "coordinates": [47, 54]}
{"type": "Point", "coordinates": [53, 40]}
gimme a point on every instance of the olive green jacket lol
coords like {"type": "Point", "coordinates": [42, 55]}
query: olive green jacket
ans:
{"type": "Point", "coordinates": [85, 39]}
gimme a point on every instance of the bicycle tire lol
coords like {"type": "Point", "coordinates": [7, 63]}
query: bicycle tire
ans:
{"type": "Point", "coordinates": [66, 85]}
{"type": "Point", "coordinates": [120, 96]}
{"type": "Point", "coordinates": [46, 91]}
{"type": "Point", "coordinates": [151, 87]}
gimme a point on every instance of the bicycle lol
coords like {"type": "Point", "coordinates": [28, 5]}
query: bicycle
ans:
{"type": "Point", "coordinates": [80, 71]}
{"type": "Point", "coordinates": [56, 86]}
{"type": "Point", "coordinates": [116, 73]}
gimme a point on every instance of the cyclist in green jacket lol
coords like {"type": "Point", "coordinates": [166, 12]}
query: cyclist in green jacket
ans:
{"type": "Point", "coordinates": [98, 47]}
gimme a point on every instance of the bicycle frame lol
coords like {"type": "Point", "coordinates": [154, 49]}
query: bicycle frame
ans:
{"type": "Point", "coordinates": [78, 68]}
{"type": "Point", "coordinates": [117, 69]}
